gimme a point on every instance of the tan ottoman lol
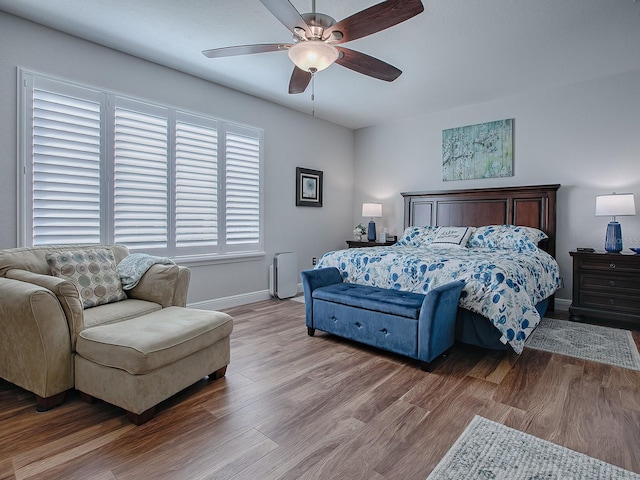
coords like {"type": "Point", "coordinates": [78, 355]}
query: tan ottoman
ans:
{"type": "Point", "coordinates": [137, 363]}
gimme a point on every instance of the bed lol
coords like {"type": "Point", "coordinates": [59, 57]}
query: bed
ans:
{"type": "Point", "coordinates": [506, 258]}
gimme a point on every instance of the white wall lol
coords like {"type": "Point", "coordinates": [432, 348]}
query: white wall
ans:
{"type": "Point", "coordinates": [585, 137]}
{"type": "Point", "coordinates": [291, 139]}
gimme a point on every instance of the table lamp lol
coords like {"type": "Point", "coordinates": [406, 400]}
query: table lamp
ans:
{"type": "Point", "coordinates": [371, 210]}
{"type": "Point", "coordinates": [614, 205]}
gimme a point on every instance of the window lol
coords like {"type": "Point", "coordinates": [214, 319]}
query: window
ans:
{"type": "Point", "coordinates": [98, 167]}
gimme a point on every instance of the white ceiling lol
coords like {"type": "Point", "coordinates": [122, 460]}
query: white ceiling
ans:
{"type": "Point", "coordinates": [455, 53]}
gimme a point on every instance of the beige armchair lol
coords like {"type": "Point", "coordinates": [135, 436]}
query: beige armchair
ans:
{"type": "Point", "coordinates": [41, 316]}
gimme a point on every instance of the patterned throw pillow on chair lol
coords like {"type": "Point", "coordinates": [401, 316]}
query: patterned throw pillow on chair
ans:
{"type": "Point", "coordinates": [92, 271]}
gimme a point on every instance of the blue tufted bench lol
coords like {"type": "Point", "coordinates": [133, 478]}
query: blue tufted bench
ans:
{"type": "Point", "coordinates": [411, 324]}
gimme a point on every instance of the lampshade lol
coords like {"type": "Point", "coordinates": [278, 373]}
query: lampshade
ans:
{"type": "Point", "coordinates": [371, 209]}
{"type": "Point", "coordinates": [615, 204]}
{"type": "Point", "coordinates": [313, 55]}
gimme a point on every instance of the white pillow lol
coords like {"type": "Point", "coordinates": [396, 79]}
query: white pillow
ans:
{"type": "Point", "coordinates": [456, 236]}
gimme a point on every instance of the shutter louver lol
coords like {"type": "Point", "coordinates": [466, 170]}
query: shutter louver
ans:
{"type": "Point", "coordinates": [66, 169]}
{"type": "Point", "coordinates": [196, 185]}
{"type": "Point", "coordinates": [242, 189]}
{"type": "Point", "coordinates": [140, 179]}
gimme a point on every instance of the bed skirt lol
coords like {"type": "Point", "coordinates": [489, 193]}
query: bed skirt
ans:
{"type": "Point", "coordinates": [474, 329]}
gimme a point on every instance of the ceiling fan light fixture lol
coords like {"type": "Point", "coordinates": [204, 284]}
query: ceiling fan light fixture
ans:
{"type": "Point", "coordinates": [313, 55]}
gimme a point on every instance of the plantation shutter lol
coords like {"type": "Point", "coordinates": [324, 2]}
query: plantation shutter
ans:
{"type": "Point", "coordinates": [141, 205]}
{"type": "Point", "coordinates": [242, 187]}
{"type": "Point", "coordinates": [196, 183]}
{"type": "Point", "coordinates": [98, 167]}
{"type": "Point", "coordinates": [64, 158]}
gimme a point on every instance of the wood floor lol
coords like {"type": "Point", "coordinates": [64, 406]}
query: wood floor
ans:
{"type": "Point", "coordinates": [299, 407]}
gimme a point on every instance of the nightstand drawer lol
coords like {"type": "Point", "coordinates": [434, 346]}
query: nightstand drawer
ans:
{"type": "Point", "coordinates": [627, 284]}
{"type": "Point", "coordinates": [614, 264]}
{"type": "Point", "coordinates": [610, 302]}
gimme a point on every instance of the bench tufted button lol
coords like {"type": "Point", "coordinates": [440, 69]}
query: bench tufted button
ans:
{"type": "Point", "coordinates": [358, 324]}
{"type": "Point", "coordinates": [385, 331]}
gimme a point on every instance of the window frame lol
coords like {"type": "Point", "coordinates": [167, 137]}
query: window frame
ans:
{"type": "Point", "coordinates": [222, 252]}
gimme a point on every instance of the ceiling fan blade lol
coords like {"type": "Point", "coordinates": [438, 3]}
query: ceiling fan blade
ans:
{"type": "Point", "coordinates": [374, 19]}
{"type": "Point", "coordinates": [245, 50]}
{"type": "Point", "coordinates": [287, 14]}
{"type": "Point", "coordinates": [299, 80]}
{"type": "Point", "coordinates": [367, 65]}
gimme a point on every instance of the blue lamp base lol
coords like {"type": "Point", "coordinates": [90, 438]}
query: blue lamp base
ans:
{"type": "Point", "coordinates": [613, 240]}
{"type": "Point", "coordinates": [371, 231]}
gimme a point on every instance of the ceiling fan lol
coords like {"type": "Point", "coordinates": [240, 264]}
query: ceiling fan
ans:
{"type": "Point", "coordinates": [315, 36]}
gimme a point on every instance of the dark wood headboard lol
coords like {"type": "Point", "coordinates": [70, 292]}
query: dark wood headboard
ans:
{"type": "Point", "coordinates": [531, 206]}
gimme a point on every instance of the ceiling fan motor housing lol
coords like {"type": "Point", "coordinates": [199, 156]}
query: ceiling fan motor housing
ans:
{"type": "Point", "coordinates": [317, 23]}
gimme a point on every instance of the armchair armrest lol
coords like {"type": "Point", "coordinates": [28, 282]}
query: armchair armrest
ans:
{"type": "Point", "coordinates": [65, 291]}
{"type": "Point", "coordinates": [164, 284]}
{"type": "Point", "coordinates": [35, 348]}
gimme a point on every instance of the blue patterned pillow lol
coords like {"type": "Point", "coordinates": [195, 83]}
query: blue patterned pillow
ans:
{"type": "Point", "coordinates": [506, 237]}
{"type": "Point", "coordinates": [417, 236]}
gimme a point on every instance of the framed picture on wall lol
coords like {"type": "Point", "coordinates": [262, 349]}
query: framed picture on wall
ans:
{"type": "Point", "coordinates": [484, 150]}
{"type": "Point", "coordinates": [308, 187]}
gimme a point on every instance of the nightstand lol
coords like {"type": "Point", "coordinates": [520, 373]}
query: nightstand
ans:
{"type": "Point", "coordinates": [364, 243]}
{"type": "Point", "coordinates": [606, 288]}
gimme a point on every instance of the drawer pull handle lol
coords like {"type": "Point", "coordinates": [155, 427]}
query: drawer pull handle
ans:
{"type": "Point", "coordinates": [612, 265]}
{"type": "Point", "coordinates": [612, 283]}
{"type": "Point", "coordinates": [611, 301]}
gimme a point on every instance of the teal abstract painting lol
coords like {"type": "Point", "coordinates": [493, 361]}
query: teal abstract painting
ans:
{"type": "Point", "coordinates": [484, 150]}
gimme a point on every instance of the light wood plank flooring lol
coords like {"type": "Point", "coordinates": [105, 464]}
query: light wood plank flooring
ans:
{"type": "Point", "coordinates": [299, 407]}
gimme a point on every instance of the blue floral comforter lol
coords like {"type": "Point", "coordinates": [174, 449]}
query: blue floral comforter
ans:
{"type": "Point", "coordinates": [502, 285]}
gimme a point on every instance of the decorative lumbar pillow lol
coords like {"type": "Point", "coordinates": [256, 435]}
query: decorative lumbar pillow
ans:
{"type": "Point", "coordinates": [92, 271]}
{"type": "Point", "coordinates": [456, 236]}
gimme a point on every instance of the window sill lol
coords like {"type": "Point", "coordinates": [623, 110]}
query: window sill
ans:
{"type": "Point", "coordinates": [199, 260]}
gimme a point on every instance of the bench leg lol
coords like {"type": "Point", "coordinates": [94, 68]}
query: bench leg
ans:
{"type": "Point", "coordinates": [436, 362]}
{"type": "Point", "coordinates": [47, 403]}
{"type": "Point", "coordinates": [221, 372]}
{"type": "Point", "coordinates": [427, 366]}
{"type": "Point", "coordinates": [140, 418]}
{"type": "Point", "coordinates": [311, 331]}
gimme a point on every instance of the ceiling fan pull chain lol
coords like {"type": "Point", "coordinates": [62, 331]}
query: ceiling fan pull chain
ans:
{"type": "Point", "coordinates": [313, 94]}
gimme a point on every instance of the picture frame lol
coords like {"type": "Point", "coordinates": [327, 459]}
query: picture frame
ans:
{"type": "Point", "coordinates": [484, 150]}
{"type": "Point", "coordinates": [308, 187]}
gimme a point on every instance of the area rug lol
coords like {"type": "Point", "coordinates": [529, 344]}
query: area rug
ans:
{"type": "Point", "coordinates": [299, 299]}
{"type": "Point", "coordinates": [612, 346]}
{"type": "Point", "coordinates": [489, 450]}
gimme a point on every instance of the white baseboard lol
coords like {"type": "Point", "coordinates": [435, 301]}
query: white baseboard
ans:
{"type": "Point", "coordinates": [562, 304]}
{"type": "Point", "coordinates": [235, 300]}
